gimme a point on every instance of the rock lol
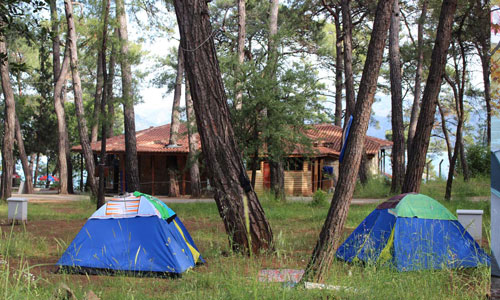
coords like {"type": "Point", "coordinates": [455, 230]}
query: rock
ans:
{"type": "Point", "coordinates": [91, 296]}
{"type": "Point", "coordinates": [63, 292]}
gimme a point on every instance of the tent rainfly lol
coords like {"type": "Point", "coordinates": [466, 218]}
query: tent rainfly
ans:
{"type": "Point", "coordinates": [412, 232]}
{"type": "Point", "coordinates": [138, 234]}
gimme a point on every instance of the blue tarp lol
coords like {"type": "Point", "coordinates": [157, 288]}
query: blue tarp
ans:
{"type": "Point", "coordinates": [369, 238]}
{"type": "Point", "coordinates": [130, 244]}
{"type": "Point", "coordinates": [418, 243]}
{"type": "Point", "coordinates": [434, 244]}
{"type": "Point", "coordinates": [328, 170]}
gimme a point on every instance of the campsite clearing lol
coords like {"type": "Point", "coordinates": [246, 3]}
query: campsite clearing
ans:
{"type": "Point", "coordinates": [29, 253]}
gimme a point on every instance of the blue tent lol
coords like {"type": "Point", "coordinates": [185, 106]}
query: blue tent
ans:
{"type": "Point", "coordinates": [138, 234]}
{"type": "Point", "coordinates": [412, 232]}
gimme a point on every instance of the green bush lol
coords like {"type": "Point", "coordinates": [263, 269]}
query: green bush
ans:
{"type": "Point", "coordinates": [478, 159]}
{"type": "Point", "coordinates": [375, 187]}
{"type": "Point", "coordinates": [320, 198]}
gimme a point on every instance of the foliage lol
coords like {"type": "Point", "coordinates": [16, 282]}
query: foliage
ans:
{"type": "Point", "coordinates": [478, 159]}
{"type": "Point", "coordinates": [375, 187]}
{"type": "Point", "coordinates": [320, 198]}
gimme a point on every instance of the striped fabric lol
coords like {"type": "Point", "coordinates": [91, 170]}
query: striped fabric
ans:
{"type": "Point", "coordinates": [120, 207]}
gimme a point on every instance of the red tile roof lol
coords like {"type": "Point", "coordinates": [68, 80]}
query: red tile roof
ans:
{"type": "Point", "coordinates": [153, 139]}
{"type": "Point", "coordinates": [326, 141]}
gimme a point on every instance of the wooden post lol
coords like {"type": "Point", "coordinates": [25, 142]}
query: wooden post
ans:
{"type": "Point", "coordinates": [320, 173]}
{"type": "Point", "coordinates": [152, 174]}
{"type": "Point", "coordinates": [122, 173]}
{"type": "Point", "coordinates": [182, 167]}
{"type": "Point", "coordinates": [81, 172]}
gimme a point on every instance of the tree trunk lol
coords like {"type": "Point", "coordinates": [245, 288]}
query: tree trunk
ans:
{"type": "Point", "coordinates": [485, 63]}
{"type": "Point", "coordinates": [323, 254]}
{"type": "Point", "coordinates": [59, 80]}
{"type": "Point", "coordinates": [24, 159]}
{"type": "Point", "coordinates": [224, 164]}
{"type": "Point", "coordinates": [349, 77]}
{"type": "Point", "coordinates": [338, 69]}
{"type": "Point", "coordinates": [131, 163]}
{"type": "Point", "coordinates": [277, 177]}
{"type": "Point", "coordinates": [97, 98]}
{"type": "Point", "coordinates": [35, 179]}
{"type": "Point", "coordinates": [174, 124]}
{"type": "Point", "coordinates": [453, 162]}
{"type": "Point", "coordinates": [275, 164]}
{"type": "Point", "coordinates": [109, 90]}
{"type": "Point", "coordinates": [418, 78]}
{"type": "Point", "coordinates": [482, 45]}
{"type": "Point", "coordinates": [77, 90]}
{"type": "Point", "coordinates": [398, 137]}
{"type": "Point", "coordinates": [445, 130]}
{"type": "Point", "coordinates": [363, 169]}
{"type": "Point", "coordinates": [10, 119]}
{"type": "Point", "coordinates": [194, 169]}
{"type": "Point", "coordinates": [241, 51]}
{"type": "Point", "coordinates": [101, 197]}
{"type": "Point", "coordinates": [418, 150]}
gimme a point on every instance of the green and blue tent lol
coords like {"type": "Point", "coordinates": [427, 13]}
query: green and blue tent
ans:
{"type": "Point", "coordinates": [139, 234]}
{"type": "Point", "coordinates": [412, 232]}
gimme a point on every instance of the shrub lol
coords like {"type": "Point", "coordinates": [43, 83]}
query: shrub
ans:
{"type": "Point", "coordinates": [320, 198]}
{"type": "Point", "coordinates": [478, 159]}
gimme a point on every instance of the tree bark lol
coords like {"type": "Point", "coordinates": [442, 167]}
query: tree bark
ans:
{"type": "Point", "coordinates": [226, 170]}
{"type": "Point", "coordinates": [36, 169]}
{"type": "Point", "coordinates": [64, 158]}
{"type": "Point", "coordinates": [323, 254]}
{"type": "Point", "coordinates": [194, 169]}
{"type": "Point", "coordinates": [59, 80]}
{"type": "Point", "coordinates": [109, 89]}
{"type": "Point", "coordinates": [10, 119]}
{"type": "Point", "coordinates": [101, 199]}
{"type": "Point", "coordinates": [241, 51]}
{"type": "Point", "coordinates": [418, 77]}
{"type": "Point", "coordinates": [398, 138]}
{"type": "Point", "coordinates": [453, 162]}
{"type": "Point", "coordinates": [445, 130]}
{"type": "Point", "coordinates": [349, 77]}
{"type": "Point", "coordinates": [97, 98]}
{"type": "Point", "coordinates": [131, 163]}
{"type": "Point", "coordinates": [277, 178]}
{"type": "Point", "coordinates": [174, 124]}
{"type": "Point", "coordinates": [24, 159]}
{"type": "Point", "coordinates": [77, 90]}
{"type": "Point", "coordinates": [363, 169]}
{"type": "Point", "coordinates": [420, 144]}
{"type": "Point", "coordinates": [338, 68]}
{"type": "Point", "coordinates": [483, 45]}
{"type": "Point", "coordinates": [276, 169]}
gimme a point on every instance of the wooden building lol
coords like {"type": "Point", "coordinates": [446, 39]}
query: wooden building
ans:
{"type": "Point", "coordinates": [154, 158]}
{"type": "Point", "coordinates": [306, 170]}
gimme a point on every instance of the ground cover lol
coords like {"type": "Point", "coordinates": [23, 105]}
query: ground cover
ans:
{"type": "Point", "coordinates": [28, 254]}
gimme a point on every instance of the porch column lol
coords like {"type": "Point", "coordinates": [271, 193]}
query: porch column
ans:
{"type": "Point", "coordinates": [152, 174]}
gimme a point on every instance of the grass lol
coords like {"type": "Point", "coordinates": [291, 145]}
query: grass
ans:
{"type": "Point", "coordinates": [27, 255]}
{"type": "Point", "coordinates": [380, 187]}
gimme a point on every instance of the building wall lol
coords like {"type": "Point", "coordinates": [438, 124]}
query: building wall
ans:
{"type": "Point", "coordinates": [297, 183]}
{"type": "Point", "coordinates": [373, 165]}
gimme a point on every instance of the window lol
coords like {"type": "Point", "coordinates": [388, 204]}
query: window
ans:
{"type": "Point", "coordinates": [249, 164]}
{"type": "Point", "coordinates": [294, 164]}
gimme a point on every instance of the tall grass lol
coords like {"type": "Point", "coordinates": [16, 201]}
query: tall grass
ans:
{"type": "Point", "coordinates": [296, 227]}
{"type": "Point", "coordinates": [380, 187]}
